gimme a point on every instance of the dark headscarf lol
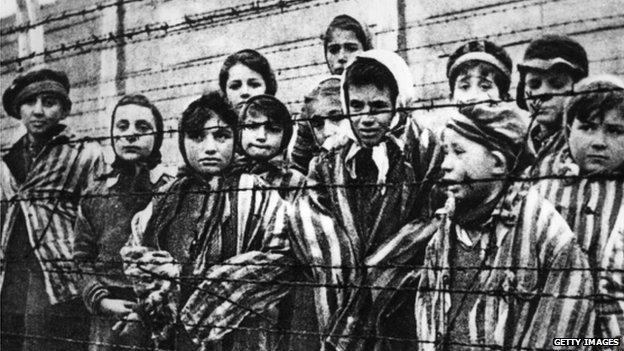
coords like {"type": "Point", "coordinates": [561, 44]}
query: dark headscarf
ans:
{"type": "Point", "coordinates": [155, 157]}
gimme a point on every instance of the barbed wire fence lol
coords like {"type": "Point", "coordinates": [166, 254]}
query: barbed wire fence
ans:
{"type": "Point", "coordinates": [246, 12]}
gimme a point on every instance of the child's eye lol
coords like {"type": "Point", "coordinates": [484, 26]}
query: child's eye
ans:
{"type": "Point", "coordinates": [587, 126]}
{"type": "Point", "coordinates": [48, 101]}
{"type": "Point", "coordinates": [356, 104]}
{"type": "Point", "coordinates": [379, 105]}
{"type": "Point", "coordinates": [534, 84]}
{"type": "Point", "coordinates": [222, 135]}
{"type": "Point", "coordinates": [333, 49]}
{"type": "Point", "coordinates": [143, 126]}
{"type": "Point", "coordinates": [616, 130]}
{"type": "Point", "coordinates": [275, 128]}
{"type": "Point", "coordinates": [486, 85]}
{"type": "Point", "coordinates": [316, 121]}
{"type": "Point", "coordinates": [235, 85]}
{"type": "Point", "coordinates": [254, 84]}
{"type": "Point", "coordinates": [122, 125]}
{"type": "Point", "coordinates": [464, 86]}
{"type": "Point", "coordinates": [557, 83]}
{"type": "Point", "coordinates": [352, 47]}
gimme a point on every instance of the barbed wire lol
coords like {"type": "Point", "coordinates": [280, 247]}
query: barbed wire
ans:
{"type": "Point", "coordinates": [195, 280]}
{"type": "Point", "coordinates": [318, 186]}
{"type": "Point", "coordinates": [158, 30]}
{"type": "Point", "coordinates": [101, 264]}
{"type": "Point", "coordinates": [431, 105]}
{"type": "Point", "coordinates": [66, 15]}
{"type": "Point", "coordinates": [168, 29]}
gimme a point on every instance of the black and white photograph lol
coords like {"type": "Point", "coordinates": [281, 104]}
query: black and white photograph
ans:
{"type": "Point", "coordinates": [311, 175]}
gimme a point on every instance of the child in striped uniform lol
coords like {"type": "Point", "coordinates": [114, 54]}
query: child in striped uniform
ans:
{"type": "Point", "coordinates": [206, 216]}
{"type": "Point", "coordinates": [552, 64]}
{"type": "Point", "coordinates": [104, 217]}
{"type": "Point", "coordinates": [266, 128]}
{"type": "Point", "coordinates": [503, 268]}
{"type": "Point", "coordinates": [40, 295]}
{"type": "Point", "coordinates": [594, 204]}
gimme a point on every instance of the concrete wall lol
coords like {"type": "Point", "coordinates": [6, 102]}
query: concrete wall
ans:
{"type": "Point", "coordinates": [178, 55]}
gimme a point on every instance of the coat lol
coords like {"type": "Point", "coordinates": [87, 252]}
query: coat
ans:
{"type": "Point", "coordinates": [59, 175]}
{"type": "Point", "coordinates": [528, 253]}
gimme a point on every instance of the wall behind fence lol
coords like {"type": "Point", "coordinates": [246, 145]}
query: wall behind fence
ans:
{"type": "Point", "coordinates": [171, 50]}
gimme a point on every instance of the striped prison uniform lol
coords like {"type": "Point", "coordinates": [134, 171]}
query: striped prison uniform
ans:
{"type": "Point", "coordinates": [202, 224]}
{"type": "Point", "coordinates": [56, 179]}
{"type": "Point", "coordinates": [328, 235]}
{"type": "Point", "coordinates": [533, 283]}
{"type": "Point", "coordinates": [592, 207]}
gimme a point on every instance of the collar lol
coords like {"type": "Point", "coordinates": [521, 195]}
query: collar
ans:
{"type": "Point", "coordinates": [380, 158]}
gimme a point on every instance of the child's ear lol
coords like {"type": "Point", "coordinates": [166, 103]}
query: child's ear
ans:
{"type": "Point", "coordinates": [500, 164]}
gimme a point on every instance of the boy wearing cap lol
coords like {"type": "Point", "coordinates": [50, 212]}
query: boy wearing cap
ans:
{"type": "Point", "coordinates": [593, 204]}
{"type": "Point", "coordinates": [552, 64]}
{"type": "Point", "coordinates": [38, 289]}
{"type": "Point", "coordinates": [503, 268]}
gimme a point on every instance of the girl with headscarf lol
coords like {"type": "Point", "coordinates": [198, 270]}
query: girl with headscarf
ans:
{"type": "Point", "coordinates": [104, 217]}
{"type": "Point", "coordinates": [344, 38]}
{"type": "Point", "coordinates": [266, 130]}
{"type": "Point", "coordinates": [208, 215]}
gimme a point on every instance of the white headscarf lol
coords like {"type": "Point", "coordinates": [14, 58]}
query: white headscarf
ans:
{"type": "Point", "coordinates": [405, 84]}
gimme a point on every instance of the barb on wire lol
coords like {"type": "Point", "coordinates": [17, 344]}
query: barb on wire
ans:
{"type": "Point", "coordinates": [430, 105]}
{"type": "Point", "coordinates": [66, 15]}
{"type": "Point", "coordinates": [188, 23]}
{"type": "Point", "coordinates": [616, 176]}
{"type": "Point", "coordinates": [104, 264]}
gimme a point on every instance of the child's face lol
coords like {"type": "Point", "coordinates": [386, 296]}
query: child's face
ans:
{"type": "Point", "coordinates": [260, 137]}
{"type": "Point", "coordinates": [365, 104]}
{"type": "Point", "coordinates": [325, 117]}
{"type": "Point", "coordinates": [475, 85]}
{"type": "Point", "coordinates": [466, 160]}
{"type": "Point", "coordinates": [599, 147]}
{"type": "Point", "coordinates": [211, 150]}
{"type": "Point", "coordinates": [129, 122]}
{"type": "Point", "coordinates": [341, 49]}
{"type": "Point", "coordinates": [243, 83]}
{"type": "Point", "coordinates": [41, 112]}
{"type": "Point", "coordinates": [549, 111]}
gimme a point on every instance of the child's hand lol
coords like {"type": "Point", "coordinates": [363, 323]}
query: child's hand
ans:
{"type": "Point", "coordinates": [116, 307]}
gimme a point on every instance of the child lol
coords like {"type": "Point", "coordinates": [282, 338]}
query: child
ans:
{"type": "Point", "coordinates": [244, 74]}
{"type": "Point", "coordinates": [500, 251]}
{"type": "Point", "coordinates": [479, 71]}
{"type": "Point", "coordinates": [104, 217]}
{"type": "Point", "coordinates": [376, 86]}
{"type": "Point", "coordinates": [209, 215]}
{"type": "Point", "coordinates": [39, 294]}
{"type": "Point", "coordinates": [594, 204]}
{"type": "Point", "coordinates": [322, 115]}
{"type": "Point", "coordinates": [344, 38]}
{"type": "Point", "coordinates": [266, 130]}
{"type": "Point", "coordinates": [552, 64]}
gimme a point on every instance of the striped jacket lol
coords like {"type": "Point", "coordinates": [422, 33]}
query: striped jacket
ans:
{"type": "Point", "coordinates": [203, 225]}
{"type": "Point", "coordinates": [58, 176]}
{"type": "Point", "coordinates": [532, 295]}
{"type": "Point", "coordinates": [318, 250]}
{"type": "Point", "coordinates": [592, 207]}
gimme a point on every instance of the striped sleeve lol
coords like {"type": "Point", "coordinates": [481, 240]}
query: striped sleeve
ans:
{"type": "Point", "coordinates": [565, 305]}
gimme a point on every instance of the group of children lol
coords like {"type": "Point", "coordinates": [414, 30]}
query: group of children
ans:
{"type": "Point", "coordinates": [505, 229]}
